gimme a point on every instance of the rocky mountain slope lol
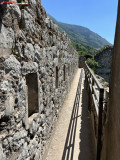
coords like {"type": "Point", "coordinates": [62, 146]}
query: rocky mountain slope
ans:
{"type": "Point", "coordinates": [82, 35]}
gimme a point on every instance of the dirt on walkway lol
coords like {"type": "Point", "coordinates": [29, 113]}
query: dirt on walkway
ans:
{"type": "Point", "coordinates": [72, 137]}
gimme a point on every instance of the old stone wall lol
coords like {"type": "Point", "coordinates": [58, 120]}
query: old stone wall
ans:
{"type": "Point", "coordinates": [37, 64]}
{"type": "Point", "coordinates": [104, 58]}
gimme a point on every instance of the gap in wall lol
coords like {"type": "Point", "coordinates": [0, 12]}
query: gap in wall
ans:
{"type": "Point", "coordinates": [32, 83]}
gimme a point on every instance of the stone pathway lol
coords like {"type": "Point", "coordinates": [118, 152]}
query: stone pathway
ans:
{"type": "Point", "coordinates": [72, 137]}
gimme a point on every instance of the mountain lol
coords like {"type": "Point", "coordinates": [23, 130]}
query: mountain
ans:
{"type": "Point", "coordinates": [81, 35]}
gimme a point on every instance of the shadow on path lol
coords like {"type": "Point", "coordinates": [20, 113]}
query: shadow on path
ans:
{"type": "Point", "coordinates": [70, 139]}
{"type": "Point", "coordinates": [87, 145]}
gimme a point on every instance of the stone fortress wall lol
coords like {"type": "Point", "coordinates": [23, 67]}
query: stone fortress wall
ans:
{"type": "Point", "coordinates": [34, 79]}
{"type": "Point", "coordinates": [104, 58]}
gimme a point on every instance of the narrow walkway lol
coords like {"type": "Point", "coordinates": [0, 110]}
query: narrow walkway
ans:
{"type": "Point", "coordinates": [72, 138]}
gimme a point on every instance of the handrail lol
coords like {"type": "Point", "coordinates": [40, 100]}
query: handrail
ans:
{"type": "Point", "coordinates": [96, 92]}
{"type": "Point", "coordinates": [97, 82]}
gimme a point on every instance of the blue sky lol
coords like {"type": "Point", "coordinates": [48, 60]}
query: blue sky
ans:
{"type": "Point", "coordinates": [97, 15]}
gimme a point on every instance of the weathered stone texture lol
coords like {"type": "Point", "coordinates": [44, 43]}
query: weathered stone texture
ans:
{"type": "Point", "coordinates": [12, 64]}
{"type": "Point", "coordinates": [40, 49]}
{"type": "Point", "coordinates": [104, 58]}
{"type": "Point", "coordinates": [6, 36]}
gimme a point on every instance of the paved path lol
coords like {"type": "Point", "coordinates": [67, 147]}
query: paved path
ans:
{"type": "Point", "coordinates": [72, 136]}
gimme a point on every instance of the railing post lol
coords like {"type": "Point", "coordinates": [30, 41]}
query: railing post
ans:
{"type": "Point", "coordinates": [89, 107]}
{"type": "Point", "coordinates": [92, 84]}
{"type": "Point", "coordinates": [99, 142]}
{"type": "Point", "coordinates": [90, 95]}
{"type": "Point", "coordinates": [88, 87]}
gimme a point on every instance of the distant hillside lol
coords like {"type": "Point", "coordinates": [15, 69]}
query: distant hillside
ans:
{"type": "Point", "coordinates": [83, 50]}
{"type": "Point", "coordinates": [82, 35]}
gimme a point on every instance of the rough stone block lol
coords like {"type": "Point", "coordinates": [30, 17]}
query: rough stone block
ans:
{"type": "Point", "coordinates": [12, 65]}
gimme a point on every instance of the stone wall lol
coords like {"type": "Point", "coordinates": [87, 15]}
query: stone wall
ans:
{"type": "Point", "coordinates": [104, 58]}
{"type": "Point", "coordinates": [37, 64]}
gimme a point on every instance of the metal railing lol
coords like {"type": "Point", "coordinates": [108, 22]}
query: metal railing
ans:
{"type": "Point", "coordinates": [96, 101]}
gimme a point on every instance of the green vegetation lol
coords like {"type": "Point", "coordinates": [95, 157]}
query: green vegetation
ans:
{"type": "Point", "coordinates": [83, 50]}
{"type": "Point", "coordinates": [14, 52]}
{"type": "Point", "coordinates": [103, 49]}
{"type": "Point", "coordinates": [88, 53]}
{"type": "Point", "coordinates": [92, 63]}
{"type": "Point", "coordinates": [84, 41]}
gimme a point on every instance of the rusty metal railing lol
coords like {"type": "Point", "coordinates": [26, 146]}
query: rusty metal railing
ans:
{"type": "Point", "coordinates": [96, 102]}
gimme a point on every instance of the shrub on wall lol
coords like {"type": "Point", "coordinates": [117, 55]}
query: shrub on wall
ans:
{"type": "Point", "coordinates": [92, 63]}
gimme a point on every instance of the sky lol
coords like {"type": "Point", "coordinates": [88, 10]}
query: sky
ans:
{"type": "Point", "coordinates": [97, 15]}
